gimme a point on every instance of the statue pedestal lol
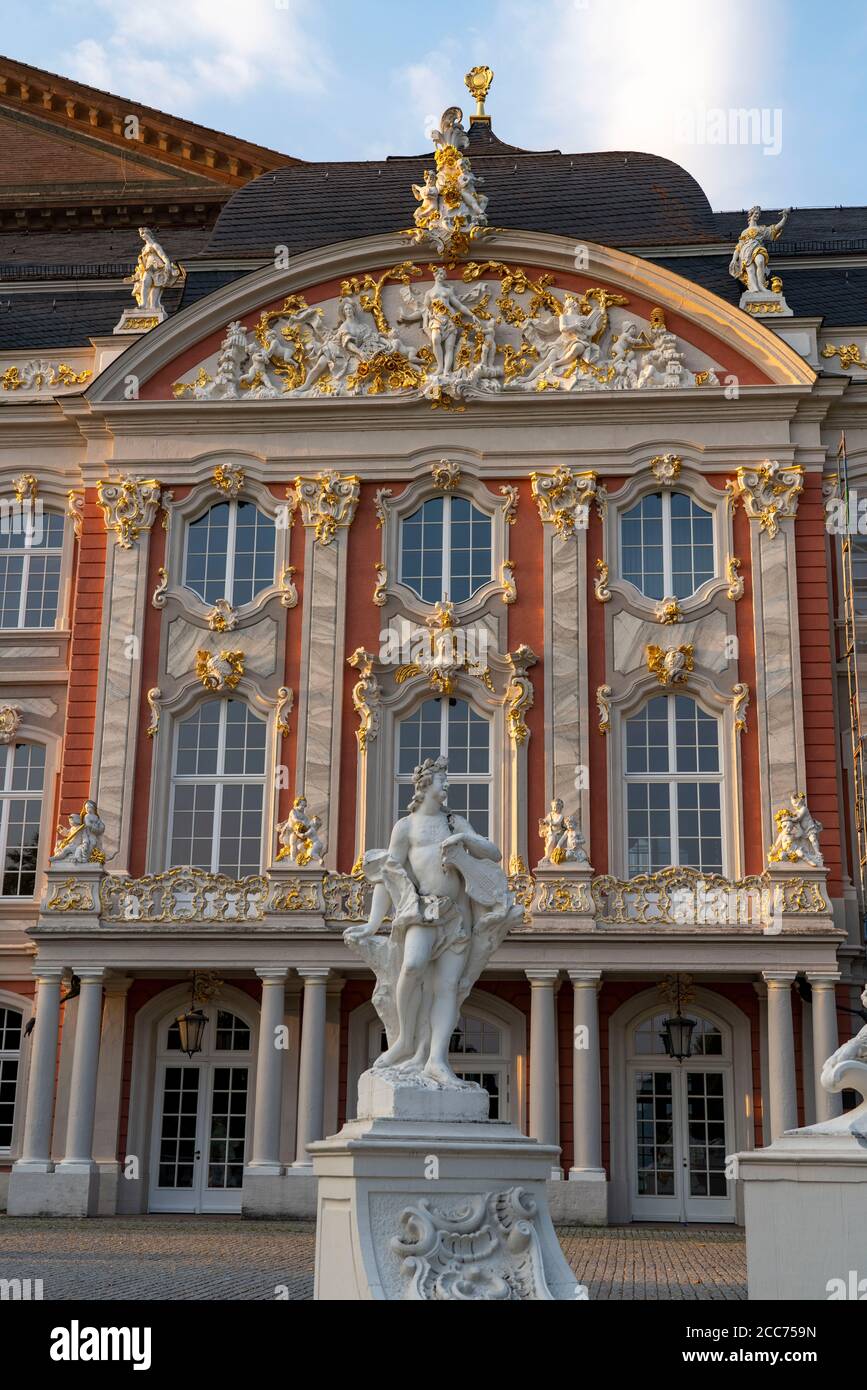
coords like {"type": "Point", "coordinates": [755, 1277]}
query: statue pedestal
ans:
{"type": "Point", "coordinates": [805, 1210]}
{"type": "Point", "coordinates": [140, 320]}
{"type": "Point", "coordinates": [424, 1210]}
{"type": "Point", "coordinates": [760, 303]}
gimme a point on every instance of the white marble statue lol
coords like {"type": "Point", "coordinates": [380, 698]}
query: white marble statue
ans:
{"type": "Point", "coordinates": [797, 834]}
{"type": "Point", "coordinates": [450, 907]}
{"type": "Point", "coordinates": [80, 842]}
{"type": "Point", "coordinates": [749, 262]}
{"type": "Point", "coordinates": [154, 272]}
{"type": "Point", "coordinates": [564, 341]}
{"type": "Point", "coordinates": [450, 206]}
{"type": "Point", "coordinates": [563, 841]}
{"type": "Point", "coordinates": [846, 1069]}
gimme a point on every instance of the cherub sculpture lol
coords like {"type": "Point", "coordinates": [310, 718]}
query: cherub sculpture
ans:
{"type": "Point", "coordinates": [80, 842]}
{"type": "Point", "coordinates": [296, 834]}
{"type": "Point", "coordinates": [797, 834]}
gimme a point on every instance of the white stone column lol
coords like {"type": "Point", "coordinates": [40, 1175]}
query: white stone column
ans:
{"type": "Point", "coordinates": [265, 1157]}
{"type": "Point", "coordinates": [586, 1077]}
{"type": "Point", "coordinates": [825, 1040]}
{"type": "Point", "coordinates": [36, 1146]}
{"type": "Point", "coordinates": [781, 1054]}
{"type": "Point", "coordinates": [543, 1056]}
{"type": "Point", "coordinates": [78, 1156]}
{"type": "Point", "coordinates": [311, 1080]}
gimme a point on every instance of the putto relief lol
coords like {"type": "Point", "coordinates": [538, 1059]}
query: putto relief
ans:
{"type": "Point", "coordinates": [447, 334]}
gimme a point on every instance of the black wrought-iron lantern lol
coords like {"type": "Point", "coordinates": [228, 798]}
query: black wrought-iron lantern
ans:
{"type": "Point", "coordinates": [191, 1029]}
{"type": "Point", "coordinates": [677, 1032]}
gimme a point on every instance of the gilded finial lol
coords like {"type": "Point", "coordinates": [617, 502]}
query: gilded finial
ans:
{"type": "Point", "coordinates": [478, 82]}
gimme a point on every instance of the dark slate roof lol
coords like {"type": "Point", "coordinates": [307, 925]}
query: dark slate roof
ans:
{"type": "Point", "coordinates": [80, 252]}
{"type": "Point", "coordinates": [836, 293]}
{"type": "Point", "coordinates": [620, 198]}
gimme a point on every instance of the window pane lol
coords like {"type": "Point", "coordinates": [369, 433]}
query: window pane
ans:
{"type": "Point", "coordinates": [641, 546]}
{"type": "Point", "coordinates": [421, 560]}
{"type": "Point", "coordinates": [207, 553]}
{"type": "Point", "coordinates": [30, 556]}
{"type": "Point", "coordinates": [22, 773]}
{"type": "Point", "coordinates": [692, 551]}
{"type": "Point", "coordinates": [255, 539]}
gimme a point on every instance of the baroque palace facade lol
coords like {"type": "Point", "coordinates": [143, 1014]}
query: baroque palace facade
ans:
{"type": "Point", "coordinates": [358, 465]}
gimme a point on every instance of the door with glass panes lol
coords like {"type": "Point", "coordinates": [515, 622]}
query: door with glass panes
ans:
{"type": "Point", "coordinates": [680, 1121]}
{"type": "Point", "coordinates": [201, 1109]}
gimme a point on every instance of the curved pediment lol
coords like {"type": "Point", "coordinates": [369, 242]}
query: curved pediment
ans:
{"type": "Point", "coordinates": [363, 320]}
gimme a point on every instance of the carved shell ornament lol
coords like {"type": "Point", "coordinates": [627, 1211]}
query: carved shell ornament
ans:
{"type": "Point", "coordinates": [219, 670]}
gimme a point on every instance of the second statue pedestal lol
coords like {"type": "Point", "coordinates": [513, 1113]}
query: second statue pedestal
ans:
{"type": "Point", "coordinates": [434, 1210]}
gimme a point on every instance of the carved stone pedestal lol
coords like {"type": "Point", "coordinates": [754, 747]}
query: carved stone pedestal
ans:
{"type": "Point", "coordinates": [427, 1211]}
{"type": "Point", "coordinates": [805, 1211]}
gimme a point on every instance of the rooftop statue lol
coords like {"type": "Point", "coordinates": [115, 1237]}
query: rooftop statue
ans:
{"type": "Point", "coordinates": [450, 908]}
{"type": "Point", "coordinates": [451, 210]}
{"type": "Point", "coordinates": [154, 272]}
{"type": "Point", "coordinates": [749, 262]}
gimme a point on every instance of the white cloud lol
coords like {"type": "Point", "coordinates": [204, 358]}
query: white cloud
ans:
{"type": "Point", "coordinates": [634, 75]}
{"type": "Point", "coordinates": [178, 53]}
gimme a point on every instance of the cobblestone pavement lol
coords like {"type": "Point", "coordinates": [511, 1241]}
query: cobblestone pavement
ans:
{"type": "Point", "coordinates": [212, 1258]}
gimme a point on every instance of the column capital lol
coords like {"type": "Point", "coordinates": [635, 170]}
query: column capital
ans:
{"type": "Point", "coordinates": [48, 974]}
{"type": "Point", "coordinates": [779, 979]}
{"type": "Point", "coordinates": [586, 978]}
{"type": "Point", "coordinates": [272, 974]}
{"type": "Point", "coordinates": [314, 975]}
{"type": "Point", "coordinates": [90, 974]}
{"type": "Point", "coordinates": [117, 985]}
{"type": "Point", "coordinates": [826, 979]}
{"type": "Point", "coordinates": [539, 976]}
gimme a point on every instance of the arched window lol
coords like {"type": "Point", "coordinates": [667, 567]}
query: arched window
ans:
{"type": "Point", "coordinates": [452, 728]}
{"type": "Point", "coordinates": [230, 553]}
{"type": "Point", "coordinates": [666, 545]}
{"type": "Point", "coordinates": [30, 559]}
{"type": "Point", "coordinates": [707, 1040]}
{"type": "Point", "coordinates": [673, 787]}
{"type": "Point", "coordinates": [10, 1048]}
{"type": "Point", "coordinates": [218, 789]}
{"type": "Point", "coordinates": [445, 550]}
{"type": "Point", "coordinates": [22, 779]}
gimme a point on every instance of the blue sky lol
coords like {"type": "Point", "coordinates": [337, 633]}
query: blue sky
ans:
{"type": "Point", "coordinates": [343, 80]}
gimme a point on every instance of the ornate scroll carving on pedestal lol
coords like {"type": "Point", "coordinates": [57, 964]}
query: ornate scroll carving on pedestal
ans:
{"type": "Point", "coordinates": [507, 579]}
{"type": "Point", "coordinates": [288, 589]}
{"type": "Point", "coordinates": [797, 834]}
{"type": "Point", "coordinates": [510, 492]}
{"type": "Point", "coordinates": [770, 492]}
{"type": "Point", "coordinates": [75, 511]}
{"type": "Point", "coordinates": [380, 597]}
{"type": "Point", "coordinates": [129, 506]}
{"type": "Point", "coordinates": [327, 502]}
{"type": "Point", "coordinates": [484, 1247]}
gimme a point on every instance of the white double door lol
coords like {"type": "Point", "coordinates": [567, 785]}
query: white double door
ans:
{"type": "Point", "coordinates": [680, 1123]}
{"type": "Point", "coordinates": [199, 1134]}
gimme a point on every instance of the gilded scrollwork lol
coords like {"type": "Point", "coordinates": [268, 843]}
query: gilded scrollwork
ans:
{"type": "Point", "coordinates": [154, 696]}
{"type": "Point", "coordinates": [227, 480]}
{"type": "Point", "coordinates": [366, 697]}
{"type": "Point", "coordinates": [740, 705]}
{"type": "Point", "coordinates": [507, 580]}
{"type": "Point", "coordinates": [446, 475]}
{"type": "Point", "coordinates": [328, 502]}
{"type": "Point", "coordinates": [510, 511]}
{"type": "Point", "coordinates": [770, 493]}
{"type": "Point", "coordinates": [219, 670]}
{"type": "Point", "coordinates": [222, 617]}
{"type": "Point", "coordinates": [666, 469]}
{"type": "Point", "coordinates": [848, 353]}
{"type": "Point", "coordinates": [603, 707]}
{"type": "Point", "coordinates": [380, 597]}
{"type": "Point", "coordinates": [10, 722]}
{"type": "Point", "coordinates": [519, 695]}
{"type": "Point", "coordinates": [75, 511]}
{"type": "Point", "coordinates": [283, 709]}
{"type": "Point", "coordinates": [160, 593]}
{"type": "Point", "coordinates": [129, 506]}
{"type": "Point", "coordinates": [288, 587]}
{"type": "Point", "coordinates": [735, 589]}
{"type": "Point", "coordinates": [72, 895]}
{"type": "Point", "coordinates": [671, 665]}
{"type": "Point", "coordinates": [563, 498]}
{"type": "Point", "coordinates": [600, 583]}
